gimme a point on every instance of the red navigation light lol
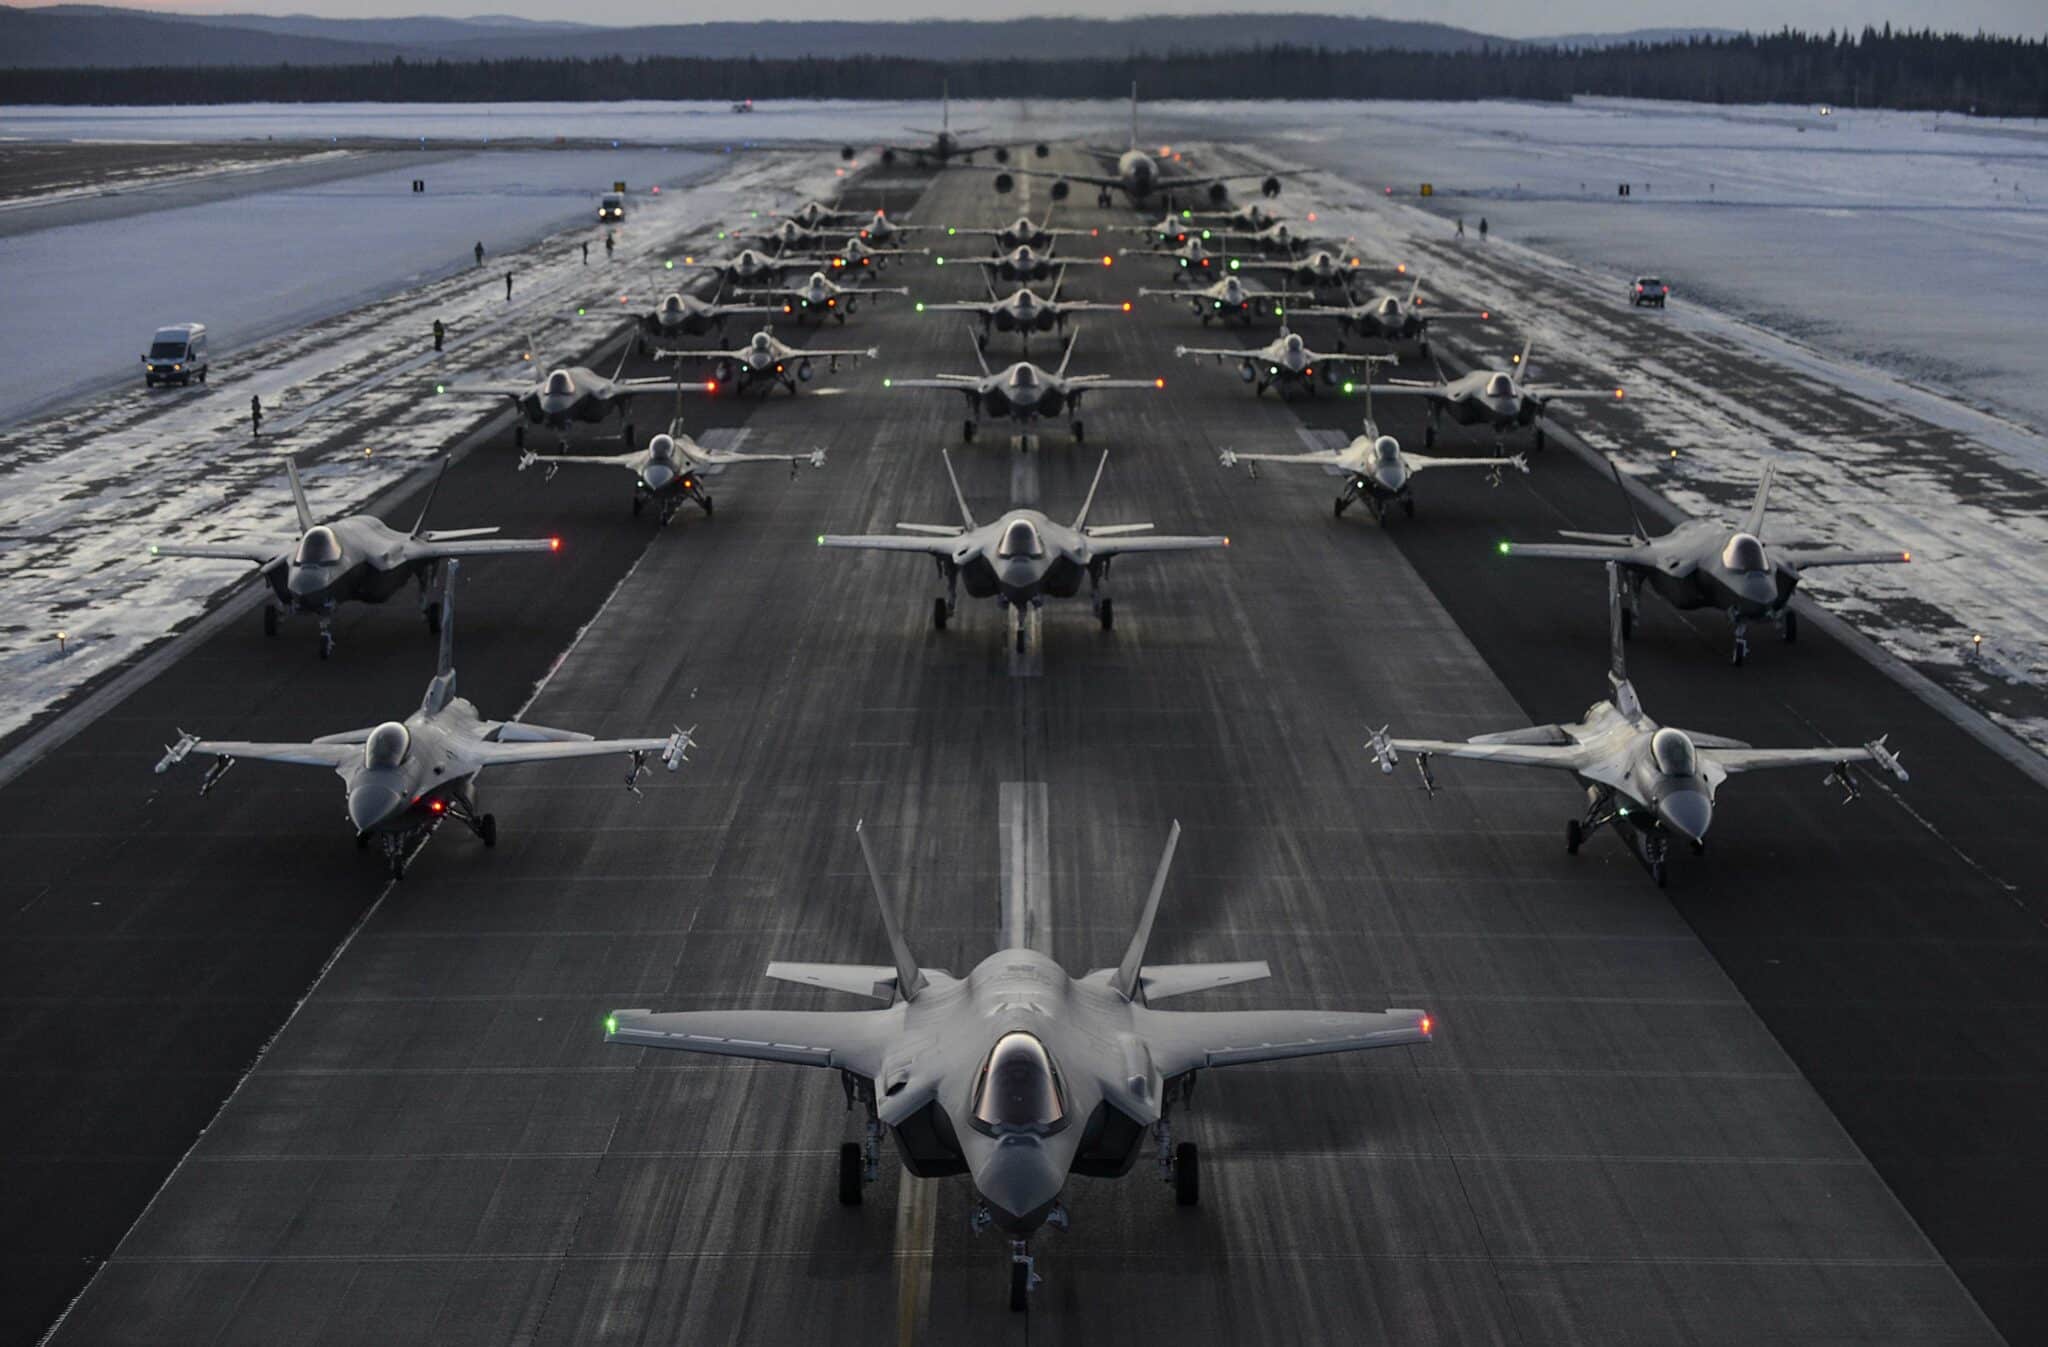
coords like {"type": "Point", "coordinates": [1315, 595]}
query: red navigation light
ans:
{"type": "Point", "coordinates": [1127, 306]}
{"type": "Point", "coordinates": [1428, 1024]}
{"type": "Point", "coordinates": [554, 544]}
{"type": "Point", "coordinates": [437, 806]}
{"type": "Point", "coordinates": [711, 385]}
{"type": "Point", "coordinates": [1159, 383]}
{"type": "Point", "coordinates": [1107, 259]}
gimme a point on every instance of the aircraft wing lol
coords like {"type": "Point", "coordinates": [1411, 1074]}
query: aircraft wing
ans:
{"type": "Point", "coordinates": [935, 544]}
{"type": "Point", "coordinates": [1733, 760]}
{"type": "Point", "coordinates": [839, 353]}
{"type": "Point", "coordinates": [632, 460]}
{"type": "Point", "coordinates": [1576, 395]}
{"type": "Point", "coordinates": [857, 291]}
{"type": "Point", "coordinates": [511, 751]}
{"type": "Point", "coordinates": [1329, 458]}
{"type": "Point", "coordinates": [428, 549]}
{"type": "Point", "coordinates": [850, 1040]}
{"type": "Point", "coordinates": [657, 384]}
{"type": "Point", "coordinates": [1633, 554]}
{"type": "Point", "coordinates": [1109, 544]}
{"type": "Point", "coordinates": [488, 388]}
{"type": "Point", "coordinates": [699, 454]}
{"type": "Point", "coordinates": [1407, 388]}
{"type": "Point", "coordinates": [1080, 383]}
{"type": "Point", "coordinates": [1222, 352]}
{"type": "Point", "coordinates": [259, 553]}
{"type": "Point", "coordinates": [959, 383]}
{"type": "Point", "coordinates": [1840, 556]}
{"type": "Point", "coordinates": [1423, 463]}
{"type": "Point", "coordinates": [304, 755]}
{"type": "Point", "coordinates": [1183, 1041]}
{"type": "Point", "coordinates": [990, 307]}
{"type": "Point", "coordinates": [1567, 756]}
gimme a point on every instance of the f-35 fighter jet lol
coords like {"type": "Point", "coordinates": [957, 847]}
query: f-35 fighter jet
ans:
{"type": "Point", "coordinates": [1024, 557]}
{"type": "Point", "coordinates": [666, 471]}
{"type": "Point", "coordinates": [1703, 564]}
{"type": "Point", "coordinates": [1023, 393]}
{"type": "Point", "coordinates": [403, 777]}
{"type": "Point", "coordinates": [1496, 398]}
{"type": "Point", "coordinates": [1652, 782]}
{"type": "Point", "coordinates": [357, 558]}
{"type": "Point", "coordinates": [1019, 1074]}
{"type": "Point", "coordinates": [571, 393]}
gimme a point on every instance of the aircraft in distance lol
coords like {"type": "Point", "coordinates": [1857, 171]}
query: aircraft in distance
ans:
{"type": "Point", "coordinates": [1251, 218]}
{"type": "Point", "coordinates": [1652, 782]}
{"type": "Point", "coordinates": [1230, 300]}
{"type": "Point", "coordinates": [1287, 361]}
{"type": "Point", "coordinates": [857, 252]}
{"type": "Point", "coordinates": [1136, 174]}
{"type": "Point", "coordinates": [1319, 268]}
{"type": "Point", "coordinates": [667, 470]}
{"type": "Point", "coordinates": [1022, 263]}
{"type": "Point", "coordinates": [1193, 260]}
{"type": "Point", "coordinates": [1018, 1074]}
{"type": "Point", "coordinates": [1375, 469]}
{"type": "Point", "coordinates": [1703, 564]}
{"type": "Point", "coordinates": [569, 393]}
{"type": "Point", "coordinates": [785, 236]}
{"type": "Point", "coordinates": [945, 144]}
{"type": "Point", "coordinates": [1023, 311]}
{"type": "Point", "coordinates": [752, 267]}
{"type": "Point", "coordinates": [1022, 233]}
{"type": "Point", "coordinates": [816, 215]}
{"type": "Point", "coordinates": [882, 227]}
{"type": "Point", "coordinates": [820, 295]}
{"type": "Point", "coordinates": [1493, 398]}
{"type": "Point", "coordinates": [1389, 317]}
{"type": "Point", "coordinates": [770, 362]}
{"type": "Point", "coordinates": [403, 777]}
{"type": "Point", "coordinates": [356, 558]}
{"type": "Point", "coordinates": [1023, 557]}
{"type": "Point", "coordinates": [685, 315]}
{"type": "Point", "coordinates": [1023, 393]}
{"type": "Point", "coordinates": [1180, 226]}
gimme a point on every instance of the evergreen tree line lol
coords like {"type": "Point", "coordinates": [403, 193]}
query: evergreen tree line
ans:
{"type": "Point", "coordinates": [1926, 70]}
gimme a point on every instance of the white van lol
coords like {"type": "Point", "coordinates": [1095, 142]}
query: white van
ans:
{"type": "Point", "coordinates": [177, 355]}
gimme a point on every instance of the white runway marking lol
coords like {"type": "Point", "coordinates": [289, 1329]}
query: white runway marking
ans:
{"type": "Point", "coordinates": [1027, 906]}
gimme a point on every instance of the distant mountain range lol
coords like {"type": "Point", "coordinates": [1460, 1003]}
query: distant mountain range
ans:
{"type": "Point", "coordinates": [107, 36]}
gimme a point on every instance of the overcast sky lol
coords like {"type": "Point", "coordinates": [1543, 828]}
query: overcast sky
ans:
{"type": "Point", "coordinates": [1514, 18]}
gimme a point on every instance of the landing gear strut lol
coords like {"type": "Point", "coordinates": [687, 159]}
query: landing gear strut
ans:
{"type": "Point", "coordinates": [1741, 652]}
{"type": "Point", "coordinates": [859, 1161]}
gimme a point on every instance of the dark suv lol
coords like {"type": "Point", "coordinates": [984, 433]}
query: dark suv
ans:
{"type": "Point", "coordinates": [1648, 290]}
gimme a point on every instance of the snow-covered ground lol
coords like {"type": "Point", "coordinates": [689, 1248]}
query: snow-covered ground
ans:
{"type": "Point", "coordinates": [79, 489]}
{"type": "Point", "coordinates": [264, 261]}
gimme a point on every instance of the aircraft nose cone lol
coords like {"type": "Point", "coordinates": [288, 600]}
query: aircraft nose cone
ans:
{"type": "Point", "coordinates": [1020, 1183]}
{"type": "Point", "coordinates": [1757, 587]}
{"type": "Point", "coordinates": [306, 582]}
{"type": "Point", "coordinates": [1688, 813]}
{"type": "Point", "coordinates": [657, 476]}
{"type": "Point", "coordinates": [371, 804]}
{"type": "Point", "coordinates": [1393, 477]}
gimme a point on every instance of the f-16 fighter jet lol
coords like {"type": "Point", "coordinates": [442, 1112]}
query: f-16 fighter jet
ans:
{"type": "Point", "coordinates": [667, 471]}
{"type": "Point", "coordinates": [1230, 300]}
{"type": "Point", "coordinates": [769, 362]}
{"type": "Point", "coordinates": [1023, 311]}
{"type": "Point", "coordinates": [819, 295]}
{"type": "Point", "coordinates": [1194, 260]}
{"type": "Point", "coordinates": [685, 315]}
{"type": "Point", "coordinates": [1022, 233]}
{"type": "Point", "coordinates": [1024, 557]}
{"type": "Point", "coordinates": [1703, 564]}
{"type": "Point", "coordinates": [1019, 1074]}
{"type": "Point", "coordinates": [1375, 469]}
{"type": "Point", "coordinates": [403, 777]}
{"type": "Point", "coordinates": [1495, 398]}
{"type": "Point", "coordinates": [356, 559]}
{"type": "Point", "coordinates": [1652, 782]}
{"type": "Point", "coordinates": [1023, 393]}
{"type": "Point", "coordinates": [571, 393]}
{"type": "Point", "coordinates": [1287, 361]}
{"type": "Point", "coordinates": [1388, 317]}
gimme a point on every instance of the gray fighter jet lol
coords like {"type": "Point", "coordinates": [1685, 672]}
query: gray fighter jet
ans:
{"type": "Point", "coordinates": [1194, 260]}
{"type": "Point", "coordinates": [820, 295]}
{"type": "Point", "coordinates": [1136, 174]}
{"type": "Point", "coordinates": [1019, 1075]}
{"type": "Point", "coordinates": [1024, 557]}
{"type": "Point", "coordinates": [1319, 268]}
{"type": "Point", "coordinates": [1023, 393]}
{"type": "Point", "coordinates": [1021, 263]}
{"type": "Point", "coordinates": [1023, 311]}
{"type": "Point", "coordinates": [1495, 398]}
{"type": "Point", "coordinates": [570, 393]}
{"type": "Point", "coordinates": [752, 267]}
{"type": "Point", "coordinates": [767, 361]}
{"type": "Point", "coordinates": [1389, 317]}
{"type": "Point", "coordinates": [356, 558]}
{"type": "Point", "coordinates": [1022, 233]}
{"type": "Point", "coordinates": [667, 471]}
{"type": "Point", "coordinates": [403, 777]}
{"type": "Point", "coordinates": [1652, 782]}
{"type": "Point", "coordinates": [856, 254]}
{"type": "Point", "coordinates": [681, 314]}
{"type": "Point", "coordinates": [1703, 564]}
{"type": "Point", "coordinates": [1287, 362]}
{"type": "Point", "coordinates": [1230, 300]}
{"type": "Point", "coordinates": [1375, 469]}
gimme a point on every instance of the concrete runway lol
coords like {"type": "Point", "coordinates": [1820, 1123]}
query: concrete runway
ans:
{"type": "Point", "coordinates": [1701, 1116]}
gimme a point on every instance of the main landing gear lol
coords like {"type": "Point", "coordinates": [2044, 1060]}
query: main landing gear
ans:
{"type": "Point", "coordinates": [1104, 609]}
{"type": "Point", "coordinates": [943, 607]}
{"type": "Point", "coordinates": [860, 1162]}
{"type": "Point", "coordinates": [1741, 651]}
{"type": "Point", "coordinates": [433, 595]}
{"type": "Point", "coordinates": [1648, 843]}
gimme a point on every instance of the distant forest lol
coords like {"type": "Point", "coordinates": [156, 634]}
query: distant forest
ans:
{"type": "Point", "coordinates": [1990, 76]}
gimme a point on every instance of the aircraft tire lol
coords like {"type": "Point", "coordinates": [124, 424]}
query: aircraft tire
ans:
{"type": "Point", "coordinates": [1408, 506]}
{"type": "Point", "coordinates": [1791, 627]}
{"type": "Point", "coordinates": [938, 614]}
{"type": "Point", "coordinates": [487, 829]}
{"type": "Point", "coordinates": [1187, 1175]}
{"type": "Point", "coordinates": [639, 504]}
{"type": "Point", "coordinates": [1108, 616]}
{"type": "Point", "coordinates": [1574, 837]}
{"type": "Point", "coordinates": [1628, 625]}
{"type": "Point", "coordinates": [270, 619]}
{"type": "Point", "coordinates": [850, 1176]}
{"type": "Point", "coordinates": [1020, 1287]}
{"type": "Point", "coordinates": [1657, 874]}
